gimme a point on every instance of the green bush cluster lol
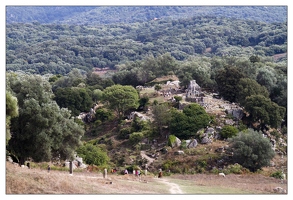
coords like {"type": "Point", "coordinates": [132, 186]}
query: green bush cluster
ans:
{"type": "Point", "coordinates": [228, 131]}
{"type": "Point", "coordinates": [171, 140]}
{"type": "Point", "coordinates": [92, 154]}
{"type": "Point", "coordinates": [277, 174]}
{"type": "Point", "coordinates": [124, 133]}
{"type": "Point", "coordinates": [135, 137]}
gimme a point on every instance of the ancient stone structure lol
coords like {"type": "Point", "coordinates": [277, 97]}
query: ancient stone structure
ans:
{"type": "Point", "coordinates": [194, 93]}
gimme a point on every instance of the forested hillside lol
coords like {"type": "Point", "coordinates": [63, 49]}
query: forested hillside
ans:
{"type": "Point", "coordinates": [89, 15]}
{"type": "Point", "coordinates": [117, 93]}
{"type": "Point", "coordinates": [57, 49]}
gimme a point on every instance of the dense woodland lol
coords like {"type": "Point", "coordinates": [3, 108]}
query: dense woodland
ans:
{"type": "Point", "coordinates": [57, 49]}
{"type": "Point", "coordinates": [50, 79]}
{"type": "Point", "coordinates": [93, 15]}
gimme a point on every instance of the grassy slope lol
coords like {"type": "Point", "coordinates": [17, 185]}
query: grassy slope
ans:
{"type": "Point", "coordinates": [37, 181]}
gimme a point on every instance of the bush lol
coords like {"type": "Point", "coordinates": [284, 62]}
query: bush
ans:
{"type": "Point", "coordinates": [171, 140]}
{"type": "Point", "coordinates": [234, 169]}
{"type": "Point", "coordinates": [92, 154]}
{"type": "Point", "coordinates": [251, 150]}
{"type": "Point", "coordinates": [228, 131]}
{"type": "Point", "coordinates": [185, 124]}
{"type": "Point", "coordinates": [135, 137]}
{"type": "Point", "coordinates": [124, 133]}
{"type": "Point", "coordinates": [103, 114]}
{"type": "Point", "coordinates": [277, 174]}
{"type": "Point", "coordinates": [183, 144]}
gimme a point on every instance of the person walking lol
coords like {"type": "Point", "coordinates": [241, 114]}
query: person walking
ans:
{"type": "Point", "coordinates": [49, 168]}
{"type": "Point", "coordinates": [160, 173]}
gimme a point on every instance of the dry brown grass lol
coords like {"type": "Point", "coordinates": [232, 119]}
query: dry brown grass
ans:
{"type": "Point", "coordinates": [37, 181]}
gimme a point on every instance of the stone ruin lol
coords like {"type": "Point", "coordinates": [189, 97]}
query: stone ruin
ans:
{"type": "Point", "coordinates": [194, 93]}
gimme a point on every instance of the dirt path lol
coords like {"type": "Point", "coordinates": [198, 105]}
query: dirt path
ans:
{"type": "Point", "coordinates": [150, 160]}
{"type": "Point", "coordinates": [173, 187]}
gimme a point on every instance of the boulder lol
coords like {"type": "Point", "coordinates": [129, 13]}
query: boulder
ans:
{"type": "Point", "coordinates": [206, 140]}
{"type": "Point", "coordinates": [220, 150]}
{"type": "Point", "coordinates": [217, 136]}
{"type": "Point", "coordinates": [78, 159]}
{"type": "Point", "coordinates": [280, 190]}
{"type": "Point", "coordinates": [229, 122]}
{"type": "Point", "coordinates": [191, 143]}
{"type": "Point", "coordinates": [9, 159]}
{"type": "Point", "coordinates": [177, 142]}
{"type": "Point", "coordinates": [210, 130]}
{"type": "Point", "coordinates": [178, 152]}
{"type": "Point", "coordinates": [83, 166]}
{"type": "Point", "coordinates": [201, 133]}
{"type": "Point", "coordinates": [236, 113]}
{"type": "Point", "coordinates": [219, 128]}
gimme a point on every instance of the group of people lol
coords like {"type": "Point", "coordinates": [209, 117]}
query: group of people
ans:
{"type": "Point", "coordinates": [137, 173]}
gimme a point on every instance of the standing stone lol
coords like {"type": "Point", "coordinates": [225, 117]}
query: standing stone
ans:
{"type": "Point", "coordinates": [105, 173]}
{"type": "Point", "coordinates": [70, 168]}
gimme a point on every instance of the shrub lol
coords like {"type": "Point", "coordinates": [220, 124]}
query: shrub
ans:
{"type": "Point", "coordinates": [234, 169]}
{"type": "Point", "coordinates": [167, 164]}
{"type": "Point", "coordinates": [202, 163]}
{"type": "Point", "coordinates": [124, 133]}
{"type": "Point", "coordinates": [171, 140]}
{"type": "Point", "coordinates": [183, 144]}
{"type": "Point", "coordinates": [135, 137]}
{"type": "Point", "coordinates": [92, 154]}
{"type": "Point", "coordinates": [251, 150]}
{"type": "Point", "coordinates": [228, 131]}
{"type": "Point", "coordinates": [185, 124]}
{"type": "Point", "coordinates": [277, 174]}
{"type": "Point", "coordinates": [103, 114]}
{"type": "Point", "coordinates": [215, 171]}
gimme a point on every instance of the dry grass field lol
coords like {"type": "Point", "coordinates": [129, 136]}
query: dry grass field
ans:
{"type": "Point", "coordinates": [36, 181]}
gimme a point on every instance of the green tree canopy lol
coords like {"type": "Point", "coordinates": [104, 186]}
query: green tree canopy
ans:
{"type": "Point", "coordinates": [262, 110]}
{"type": "Point", "coordinates": [42, 131]}
{"type": "Point", "coordinates": [73, 79]}
{"type": "Point", "coordinates": [158, 87]}
{"type": "Point", "coordinates": [74, 98]}
{"type": "Point", "coordinates": [247, 87]}
{"type": "Point", "coordinates": [161, 116]}
{"type": "Point", "coordinates": [197, 69]}
{"type": "Point", "coordinates": [185, 124]}
{"type": "Point", "coordinates": [11, 111]}
{"type": "Point", "coordinates": [121, 98]}
{"type": "Point", "coordinates": [97, 95]}
{"type": "Point", "coordinates": [228, 131]}
{"type": "Point", "coordinates": [227, 80]}
{"type": "Point", "coordinates": [251, 150]}
{"type": "Point", "coordinates": [93, 155]}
